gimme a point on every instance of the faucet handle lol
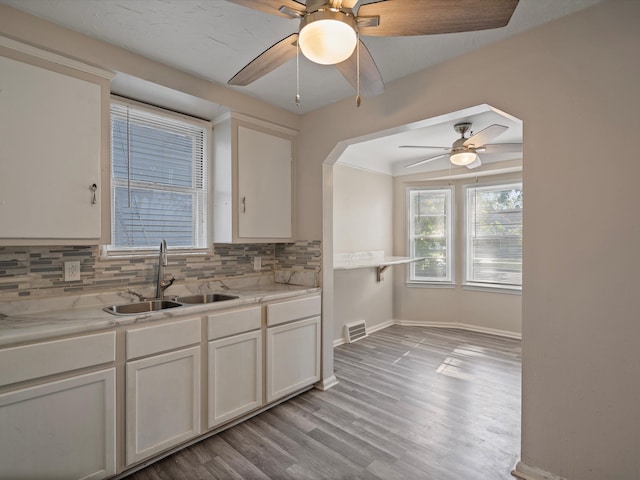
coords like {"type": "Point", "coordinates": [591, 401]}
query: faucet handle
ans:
{"type": "Point", "coordinates": [168, 283]}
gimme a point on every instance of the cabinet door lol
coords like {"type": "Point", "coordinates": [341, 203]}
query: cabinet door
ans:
{"type": "Point", "coordinates": [163, 402]}
{"type": "Point", "coordinates": [293, 357]}
{"type": "Point", "coordinates": [264, 185]}
{"type": "Point", "coordinates": [50, 150]}
{"type": "Point", "coordinates": [63, 429]}
{"type": "Point", "coordinates": [235, 376]}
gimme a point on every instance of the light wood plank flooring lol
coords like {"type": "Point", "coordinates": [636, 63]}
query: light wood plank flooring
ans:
{"type": "Point", "coordinates": [412, 403]}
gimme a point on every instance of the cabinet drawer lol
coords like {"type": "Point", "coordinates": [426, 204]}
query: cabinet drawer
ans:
{"type": "Point", "coordinates": [230, 323]}
{"type": "Point", "coordinates": [27, 362]}
{"type": "Point", "coordinates": [161, 338]}
{"type": "Point", "coordinates": [283, 312]}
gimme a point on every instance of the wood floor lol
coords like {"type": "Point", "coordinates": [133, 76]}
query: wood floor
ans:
{"type": "Point", "coordinates": [412, 403]}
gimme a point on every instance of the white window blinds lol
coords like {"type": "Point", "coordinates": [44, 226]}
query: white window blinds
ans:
{"type": "Point", "coordinates": [494, 235]}
{"type": "Point", "coordinates": [159, 179]}
{"type": "Point", "coordinates": [430, 234]}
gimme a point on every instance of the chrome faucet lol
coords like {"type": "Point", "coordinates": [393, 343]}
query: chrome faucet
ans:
{"type": "Point", "coordinates": [161, 285]}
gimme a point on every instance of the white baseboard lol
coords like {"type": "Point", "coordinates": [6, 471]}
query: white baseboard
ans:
{"type": "Point", "coordinates": [461, 326]}
{"type": "Point", "coordinates": [327, 383]}
{"type": "Point", "coordinates": [525, 472]}
{"type": "Point", "coordinates": [418, 323]}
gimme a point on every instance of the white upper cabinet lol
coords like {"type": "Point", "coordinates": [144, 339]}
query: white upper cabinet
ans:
{"type": "Point", "coordinates": [253, 181]}
{"type": "Point", "coordinates": [52, 142]}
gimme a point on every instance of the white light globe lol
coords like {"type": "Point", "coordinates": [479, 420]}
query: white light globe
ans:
{"type": "Point", "coordinates": [327, 41]}
{"type": "Point", "coordinates": [463, 158]}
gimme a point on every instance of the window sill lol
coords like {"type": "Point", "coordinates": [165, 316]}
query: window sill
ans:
{"type": "Point", "coordinates": [131, 254]}
{"type": "Point", "coordinates": [414, 284]}
{"type": "Point", "coordinates": [493, 289]}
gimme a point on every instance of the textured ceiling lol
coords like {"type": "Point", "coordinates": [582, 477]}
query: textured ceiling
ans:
{"type": "Point", "coordinates": [214, 39]}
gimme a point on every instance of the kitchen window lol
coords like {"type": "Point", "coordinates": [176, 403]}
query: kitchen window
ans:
{"type": "Point", "coordinates": [159, 179]}
{"type": "Point", "coordinates": [430, 234]}
{"type": "Point", "coordinates": [494, 236]}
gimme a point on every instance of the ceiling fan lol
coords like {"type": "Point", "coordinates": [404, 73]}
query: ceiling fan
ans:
{"type": "Point", "coordinates": [464, 151]}
{"type": "Point", "coordinates": [330, 30]}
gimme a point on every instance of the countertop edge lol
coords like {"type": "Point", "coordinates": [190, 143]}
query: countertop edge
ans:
{"type": "Point", "coordinates": [18, 329]}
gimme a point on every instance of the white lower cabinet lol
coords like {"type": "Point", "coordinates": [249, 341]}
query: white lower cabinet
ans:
{"type": "Point", "coordinates": [235, 364]}
{"type": "Point", "coordinates": [63, 429]}
{"type": "Point", "coordinates": [163, 402]}
{"type": "Point", "coordinates": [293, 357]}
{"type": "Point", "coordinates": [162, 387]}
{"type": "Point", "coordinates": [235, 376]}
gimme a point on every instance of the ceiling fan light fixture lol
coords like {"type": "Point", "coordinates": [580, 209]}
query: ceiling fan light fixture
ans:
{"type": "Point", "coordinates": [463, 158]}
{"type": "Point", "coordinates": [327, 37]}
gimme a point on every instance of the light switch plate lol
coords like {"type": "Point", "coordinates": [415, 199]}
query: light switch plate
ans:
{"type": "Point", "coordinates": [71, 271]}
{"type": "Point", "coordinates": [257, 263]}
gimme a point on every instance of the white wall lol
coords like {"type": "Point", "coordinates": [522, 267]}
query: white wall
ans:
{"type": "Point", "coordinates": [491, 312]}
{"type": "Point", "coordinates": [363, 221]}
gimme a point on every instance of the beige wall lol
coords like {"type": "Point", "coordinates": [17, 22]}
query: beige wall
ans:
{"type": "Point", "coordinates": [362, 221]}
{"type": "Point", "coordinates": [362, 210]}
{"type": "Point", "coordinates": [574, 84]}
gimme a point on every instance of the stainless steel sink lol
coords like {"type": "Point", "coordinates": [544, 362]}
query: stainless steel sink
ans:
{"type": "Point", "coordinates": [141, 307]}
{"type": "Point", "coordinates": [206, 298]}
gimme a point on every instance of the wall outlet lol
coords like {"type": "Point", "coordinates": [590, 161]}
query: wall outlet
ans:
{"type": "Point", "coordinates": [71, 271]}
{"type": "Point", "coordinates": [257, 263]}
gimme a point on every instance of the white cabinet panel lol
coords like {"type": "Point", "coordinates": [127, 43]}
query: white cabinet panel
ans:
{"type": "Point", "coordinates": [50, 150]}
{"type": "Point", "coordinates": [235, 376]}
{"type": "Point", "coordinates": [224, 324]}
{"type": "Point", "coordinates": [28, 362]}
{"type": "Point", "coordinates": [253, 181]}
{"type": "Point", "coordinates": [63, 429]}
{"type": "Point", "coordinates": [162, 402]}
{"type": "Point", "coordinates": [264, 185]}
{"type": "Point", "coordinates": [290, 310]}
{"type": "Point", "coordinates": [293, 357]}
{"type": "Point", "coordinates": [161, 338]}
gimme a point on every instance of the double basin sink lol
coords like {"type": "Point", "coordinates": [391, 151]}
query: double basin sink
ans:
{"type": "Point", "coordinates": [148, 306]}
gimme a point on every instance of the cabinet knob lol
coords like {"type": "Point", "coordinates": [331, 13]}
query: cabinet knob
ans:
{"type": "Point", "coordinates": [93, 189]}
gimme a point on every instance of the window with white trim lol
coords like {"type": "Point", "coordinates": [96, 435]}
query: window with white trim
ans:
{"type": "Point", "coordinates": [430, 234]}
{"type": "Point", "coordinates": [159, 179]}
{"type": "Point", "coordinates": [494, 236]}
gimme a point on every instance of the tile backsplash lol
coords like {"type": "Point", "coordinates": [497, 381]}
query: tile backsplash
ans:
{"type": "Point", "coordinates": [29, 272]}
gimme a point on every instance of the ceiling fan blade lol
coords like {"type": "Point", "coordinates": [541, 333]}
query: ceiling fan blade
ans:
{"type": "Point", "coordinates": [502, 148]}
{"type": "Point", "coordinates": [426, 160]}
{"type": "Point", "coordinates": [267, 61]}
{"type": "Point", "coordinates": [424, 146]}
{"type": "Point", "coordinates": [483, 136]}
{"type": "Point", "coordinates": [427, 17]}
{"type": "Point", "coordinates": [475, 164]}
{"type": "Point", "coordinates": [370, 79]}
{"type": "Point", "coordinates": [271, 6]}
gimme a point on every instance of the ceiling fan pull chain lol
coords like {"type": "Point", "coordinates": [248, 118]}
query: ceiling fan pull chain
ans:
{"type": "Point", "coordinates": [297, 74]}
{"type": "Point", "coordinates": [358, 70]}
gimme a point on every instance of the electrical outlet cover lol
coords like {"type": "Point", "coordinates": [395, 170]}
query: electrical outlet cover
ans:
{"type": "Point", "coordinates": [71, 271]}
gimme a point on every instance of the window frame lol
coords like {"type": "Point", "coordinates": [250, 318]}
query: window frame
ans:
{"type": "Point", "coordinates": [468, 283]}
{"type": "Point", "coordinates": [449, 279]}
{"type": "Point", "coordinates": [111, 251]}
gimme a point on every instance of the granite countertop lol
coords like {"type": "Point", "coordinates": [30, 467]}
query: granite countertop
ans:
{"type": "Point", "coordinates": [38, 319]}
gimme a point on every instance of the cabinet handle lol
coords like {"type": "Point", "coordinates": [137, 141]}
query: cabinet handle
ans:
{"type": "Point", "coordinates": [93, 189]}
{"type": "Point", "coordinates": [244, 204]}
